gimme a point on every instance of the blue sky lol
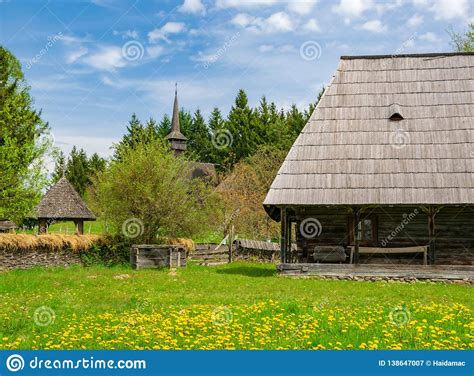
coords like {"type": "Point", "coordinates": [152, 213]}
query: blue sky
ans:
{"type": "Point", "coordinates": [91, 64]}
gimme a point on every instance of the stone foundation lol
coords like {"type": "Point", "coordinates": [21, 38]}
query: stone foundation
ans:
{"type": "Point", "coordinates": [29, 259]}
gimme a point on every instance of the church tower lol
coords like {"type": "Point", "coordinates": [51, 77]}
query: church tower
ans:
{"type": "Point", "coordinates": [175, 137]}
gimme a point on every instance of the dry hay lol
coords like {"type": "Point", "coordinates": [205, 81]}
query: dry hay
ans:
{"type": "Point", "coordinates": [51, 242]}
{"type": "Point", "coordinates": [186, 243]}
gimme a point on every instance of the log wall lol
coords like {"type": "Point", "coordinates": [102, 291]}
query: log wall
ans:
{"type": "Point", "coordinates": [396, 227]}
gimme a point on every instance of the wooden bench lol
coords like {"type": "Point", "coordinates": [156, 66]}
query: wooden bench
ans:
{"type": "Point", "coordinates": [390, 251]}
{"type": "Point", "coordinates": [329, 254]}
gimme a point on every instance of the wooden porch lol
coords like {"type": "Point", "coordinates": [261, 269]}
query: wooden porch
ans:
{"type": "Point", "coordinates": [459, 273]}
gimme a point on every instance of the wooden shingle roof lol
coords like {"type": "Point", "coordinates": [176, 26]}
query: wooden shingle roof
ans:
{"type": "Point", "coordinates": [63, 202]}
{"type": "Point", "coordinates": [351, 153]}
{"type": "Point", "coordinates": [6, 225]}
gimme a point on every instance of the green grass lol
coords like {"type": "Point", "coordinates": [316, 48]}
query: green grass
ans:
{"type": "Point", "coordinates": [92, 227]}
{"type": "Point", "coordinates": [125, 307]}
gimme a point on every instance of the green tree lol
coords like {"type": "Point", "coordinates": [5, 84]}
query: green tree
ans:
{"type": "Point", "coordinates": [164, 128]}
{"type": "Point", "coordinates": [148, 193]}
{"type": "Point", "coordinates": [135, 134]}
{"type": "Point", "coordinates": [22, 142]}
{"type": "Point", "coordinates": [59, 166]}
{"type": "Point", "coordinates": [241, 126]}
{"type": "Point", "coordinates": [96, 165]}
{"type": "Point", "coordinates": [199, 143]}
{"type": "Point", "coordinates": [78, 171]}
{"type": "Point", "coordinates": [463, 42]}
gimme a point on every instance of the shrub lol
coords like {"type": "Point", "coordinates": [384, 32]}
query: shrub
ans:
{"type": "Point", "coordinates": [151, 189]}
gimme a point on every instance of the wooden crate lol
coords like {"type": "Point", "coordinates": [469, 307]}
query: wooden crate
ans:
{"type": "Point", "coordinates": [146, 256]}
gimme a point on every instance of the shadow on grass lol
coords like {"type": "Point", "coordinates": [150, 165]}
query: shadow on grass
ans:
{"type": "Point", "coordinates": [249, 271]}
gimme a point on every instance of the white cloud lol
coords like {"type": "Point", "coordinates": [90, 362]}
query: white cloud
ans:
{"type": "Point", "coordinates": [132, 34]}
{"type": "Point", "coordinates": [277, 22]}
{"type": "Point", "coordinates": [450, 9]}
{"type": "Point", "coordinates": [311, 25]}
{"type": "Point", "coordinates": [193, 7]}
{"type": "Point", "coordinates": [374, 26]}
{"type": "Point", "coordinates": [242, 20]}
{"type": "Point", "coordinates": [75, 54]}
{"type": "Point", "coordinates": [244, 4]}
{"type": "Point", "coordinates": [302, 7]}
{"type": "Point", "coordinates": [106, 58]}
{"type": "Point", "coordinates": [430, 37]}
{"type": "Point", "coordinates": [265, 48]}
{"type": "Point", "coordinates": [353, 8]}
{"type": "Point", "coordinates": [155, 51]}
{"type": "Point", "coordinates": [164, 31]}
{"type": "Point", "coordinates": [415, 20]}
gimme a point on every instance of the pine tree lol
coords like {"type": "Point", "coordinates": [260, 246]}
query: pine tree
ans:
{"type": "Point", "coordinates": [78, 171]}
{"type": "Point", "coordinates": [135, 133]}
{"type": "Point", "coordinates": [241, 125]}
{"type": "Point", "coordinates": [199, 142]}
{"type": "Point", "coordinates": [185, 120]}
{"type": "Point", "coordinates": [59, 167]}
{"type": "Point", "coordinates": [96, 165]}
{"type": "Point", "coordinates": [164, 127]}
{"type": "Point", "coordinates": [216, 121]}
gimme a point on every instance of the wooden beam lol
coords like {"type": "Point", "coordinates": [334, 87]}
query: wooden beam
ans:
{"type": "Point", "coordinates": [356, 234]}
{"type": "Point", "coordinates": [432, 235]}
{"type": "Point", "coordinates": [284, 235]}
{"type": "Point", "coordinates": [288, 243]}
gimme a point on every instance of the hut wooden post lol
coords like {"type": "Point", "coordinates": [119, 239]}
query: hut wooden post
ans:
{"type": "Point", "coordinates": [42, 226]}
{"type": "Point", "coordinates": [284, 229]}
{"type": "Point", "coordinates": [79, 227]}
{"type": "Point", "coordinates": [231, 240]}
{"type": "Point", "coordinates": [288, 242]}
{"type": "Point", "coordinates": [355, 233]}
{"type": "Point", "coordinates": [432, 234]}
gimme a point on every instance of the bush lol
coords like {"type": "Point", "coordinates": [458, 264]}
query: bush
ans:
{"type": "Point", "coordinates": [149, 193]}
{"type": "Point", "coordinates": [113, 250]}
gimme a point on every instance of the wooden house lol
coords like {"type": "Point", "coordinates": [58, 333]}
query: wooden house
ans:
{"type": "Point", "coordinates": [384, 169]}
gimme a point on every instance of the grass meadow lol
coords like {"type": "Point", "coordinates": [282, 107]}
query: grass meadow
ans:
{"type": "Point", "coordinates": [235, 306]}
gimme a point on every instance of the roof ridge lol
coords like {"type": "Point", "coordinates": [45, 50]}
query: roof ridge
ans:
{"type": "Point", "coordinates": [430, 54]}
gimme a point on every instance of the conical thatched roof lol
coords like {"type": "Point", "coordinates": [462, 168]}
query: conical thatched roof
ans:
{"type": "Point", "coordinates": [63, 202]}
{"type": "Point", "coordinates": [6, 225]}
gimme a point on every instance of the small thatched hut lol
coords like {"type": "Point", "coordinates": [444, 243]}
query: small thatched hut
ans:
{"type": "Point", "coordinates": [7, 226]}
{"type": "Point", "coordinates": [63, 203]}
{"type": "Point", "coordinates": [384, 168]}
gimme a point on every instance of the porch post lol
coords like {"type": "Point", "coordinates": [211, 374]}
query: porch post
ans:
{"type": "Point", "coordinates": [284, 229]}
{"type": "Point", "coordinates": [355, 234]}
{"type": "Point", "coordinates": [431, 235]}
{"type": "Point", "coordinates": [288, 247]}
